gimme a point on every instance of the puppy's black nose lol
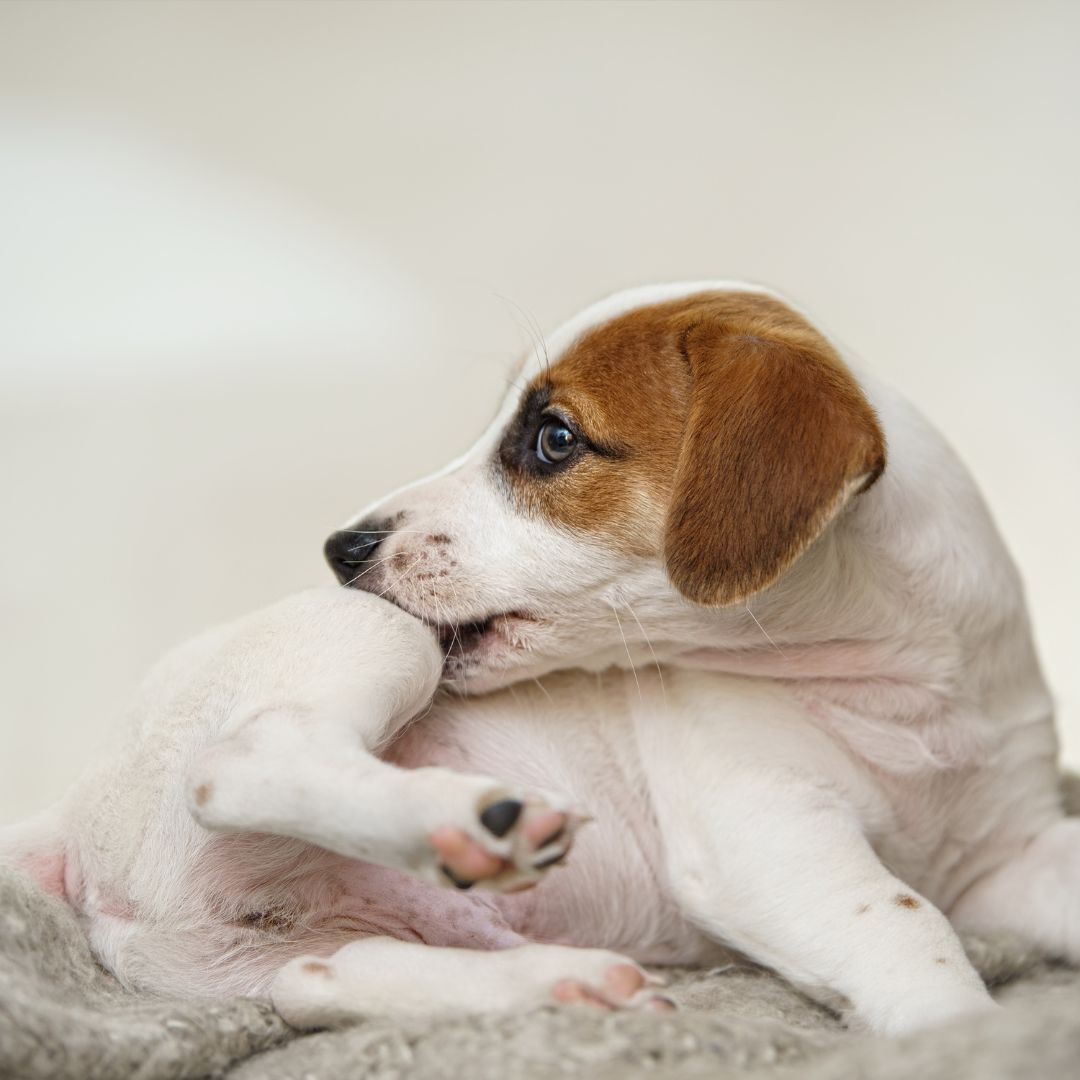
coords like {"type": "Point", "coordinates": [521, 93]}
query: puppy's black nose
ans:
{"type": "Point", "coordinates": [347, 551]}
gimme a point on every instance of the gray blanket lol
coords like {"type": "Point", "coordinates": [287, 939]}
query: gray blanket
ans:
{"type": "Point", "coordinates": [62, 1017]}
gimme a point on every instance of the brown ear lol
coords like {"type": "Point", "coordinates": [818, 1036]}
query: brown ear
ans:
{"type": "Point", "coordinates": [778, 437]}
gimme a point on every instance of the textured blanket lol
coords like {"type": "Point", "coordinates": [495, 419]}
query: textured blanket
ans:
{"type": "Point", "coordinates": [62, 1016]}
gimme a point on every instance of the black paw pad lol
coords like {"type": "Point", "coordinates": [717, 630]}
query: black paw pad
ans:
{"type": "Point", "coordinates": [499, 818]}
{"type": "Point", "coordinates": [460, 883]}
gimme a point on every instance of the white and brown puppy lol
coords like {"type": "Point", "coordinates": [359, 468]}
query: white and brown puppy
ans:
{"type": "Point", "coordinates": [794, 686]}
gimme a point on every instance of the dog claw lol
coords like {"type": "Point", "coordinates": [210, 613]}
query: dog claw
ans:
{"type": "Point", "coordinates": [661, 1003]}
{"type": "Point", "coordinates": [553, 838]}
{"type": "Point", "coordinates": [551, 860]}
{"type": "Point", "coordinates": [458, 882]}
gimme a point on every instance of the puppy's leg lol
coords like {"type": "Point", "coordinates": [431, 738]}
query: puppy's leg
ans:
{"type": "Point", "coordinates": [760, 817]}
{"type": "Point", "coordinates": [1035, 895]}
{"type": "Point", "coordinates": [399, 980]}
{"type": "Point", "coordinates": [280, 773]}
{"type": "Point", "coordinates": [325, 679]}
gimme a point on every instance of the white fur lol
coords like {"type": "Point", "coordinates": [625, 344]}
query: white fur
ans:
{"type": "Point", "coordinates": [753, 770]}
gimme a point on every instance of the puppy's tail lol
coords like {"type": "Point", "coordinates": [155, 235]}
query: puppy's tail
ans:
{"type": "Point", "coordinates": [37, 847]}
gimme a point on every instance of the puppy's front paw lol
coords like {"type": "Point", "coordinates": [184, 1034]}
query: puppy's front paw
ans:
{"type": "Point", "coordinates": [916, 1012]}
{"type": "Point", "coordinates": [519, 839]}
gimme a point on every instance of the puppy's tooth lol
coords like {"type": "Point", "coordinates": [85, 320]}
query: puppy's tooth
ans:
{"type": "Point", "coordinates": [500, 817]}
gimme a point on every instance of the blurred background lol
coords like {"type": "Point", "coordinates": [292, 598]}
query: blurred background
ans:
{"type": "Point", "coordinates": [261, 262]}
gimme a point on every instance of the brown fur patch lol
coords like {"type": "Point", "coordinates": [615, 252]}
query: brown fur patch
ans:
{"type": "Point", "coordinates": [906, 900]}
{"type": "Point", "coordinates": [317, 967]}
{"type": "Point", "coordinates": [734, 434]}
{"type": "Point", "coordinates": [203, 793]}
{"type": "Point", "coordinates": [269, 922]}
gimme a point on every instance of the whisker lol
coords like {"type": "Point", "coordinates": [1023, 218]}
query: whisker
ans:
{"type": "Point", "coordinates": [533, 329]}
{"type": "Point", "coordinates": [540, 334]}
{"type": "Point", "coordinates": [401, 575]}
{"type": "Point", "coordinates": [376, 562]}
{"type": "Point", "coordinates": [379, 532]}
{"type": "Point", "coordinates": [455, 625]}
{"type": "Point", "coordinates": [454, 639]}
{"type": "Point", "coordinates": [438, 619]}
{"type": "Point", "coordinates": [764, 631]}
{"type": "Point", "coordinates": [420, 716]}
{"type": "Point", "coordinates": [659, 670]}
{"type": "Point", "coordinates": [543, 689]}
{"type": "Point", "coordinates": [626, 646]}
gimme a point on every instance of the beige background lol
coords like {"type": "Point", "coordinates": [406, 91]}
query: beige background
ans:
{"type": "Point", "coordinates": [260, 262]}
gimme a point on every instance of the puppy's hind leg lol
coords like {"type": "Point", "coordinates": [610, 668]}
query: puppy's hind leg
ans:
{"type": "Point", "coordinates": [327, 678]}
{"type": "Point", "coordinates": [280, 774]}
{"type": "Point", "coordinates": [1035, 895]}
{"type": "Point", "coordinates": [38, 848]}
{"type": "Point", "coordinates": [379, 977]}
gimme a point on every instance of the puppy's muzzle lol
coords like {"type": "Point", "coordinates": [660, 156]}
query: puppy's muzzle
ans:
{"type": "Point", "coordinates": [349, 550]}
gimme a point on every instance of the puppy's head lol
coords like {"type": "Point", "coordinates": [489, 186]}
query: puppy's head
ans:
{"type": "Point", "coordinates": [670, 453]}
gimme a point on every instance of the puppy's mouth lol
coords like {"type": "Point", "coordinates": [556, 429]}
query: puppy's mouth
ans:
{"type": "Point", "coordinates": [470, 643]}
{"type": "Point", "coordinates": [475, 645]}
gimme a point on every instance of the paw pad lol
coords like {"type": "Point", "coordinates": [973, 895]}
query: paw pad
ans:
{"type": "Point", "coordinates": [500, 817]}
{"type": "Point", "coordinates": [623, 986]}
{"type": "Point", "coordinates": [518, 839]}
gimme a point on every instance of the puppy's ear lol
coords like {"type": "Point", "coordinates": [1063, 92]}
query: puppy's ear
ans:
{"type": "Point", "coordinates": [778, 437]}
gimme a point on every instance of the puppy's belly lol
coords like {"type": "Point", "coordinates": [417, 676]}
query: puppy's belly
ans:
{"type": "Point", "coordinates": [612, 890]}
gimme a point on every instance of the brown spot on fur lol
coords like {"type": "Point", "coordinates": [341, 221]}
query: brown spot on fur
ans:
{"type": "Point", "coordinates": [862, 909]}
{"type": "Point", "coordinates": [268, 921]}
{"type": "Point", "coordinates": [439, 538]}
{"type": "Point", "coordinates": [941, 960]}
{"type": "Point", "coordinates": [317, 967]}
{"type": "Point", "coordinates": [203, 793]}
{"type": "Point", "coordinates": [731, 433]}
{"type": "Point", "coordinates": [906, 900]}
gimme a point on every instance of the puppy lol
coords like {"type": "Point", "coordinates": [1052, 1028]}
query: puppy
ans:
{"type": "Point", "coordinates": [701, 582]}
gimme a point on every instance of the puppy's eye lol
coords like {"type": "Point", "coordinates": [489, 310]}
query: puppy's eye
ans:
{"type": "Point", "coordinates": [555, 442]}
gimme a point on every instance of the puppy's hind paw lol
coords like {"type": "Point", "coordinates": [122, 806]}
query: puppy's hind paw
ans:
{"type": "Point", "coordinates": [624, 986]}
